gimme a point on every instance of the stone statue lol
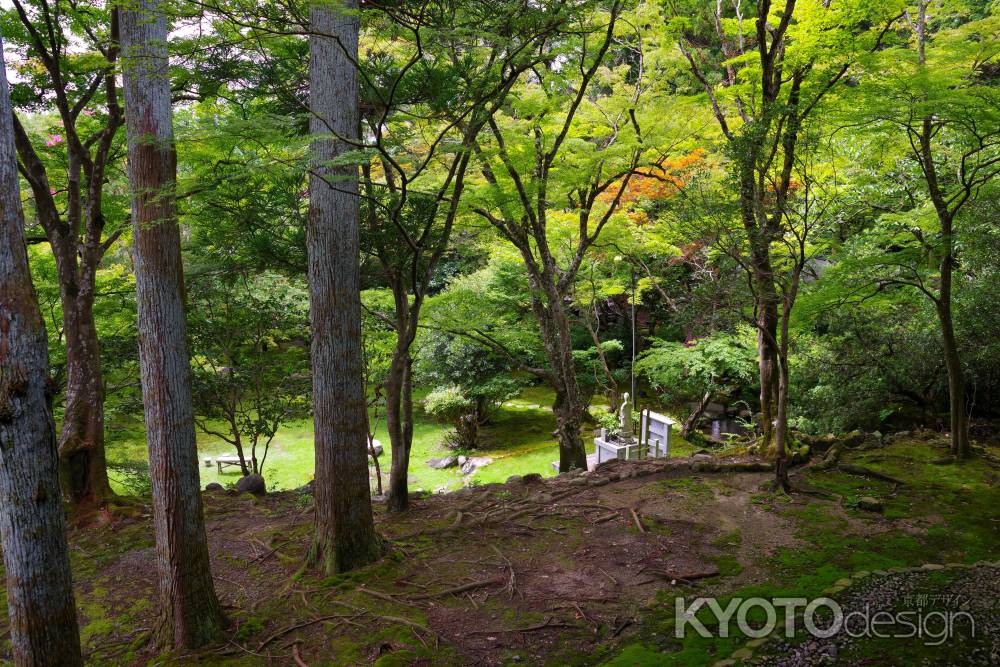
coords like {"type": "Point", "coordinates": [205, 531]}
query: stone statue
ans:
{"type": "Point", "coordinates": [625, 417]}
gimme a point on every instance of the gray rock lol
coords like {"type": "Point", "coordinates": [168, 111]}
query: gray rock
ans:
{"type": "Point", "coordinates": [473, 463]}
{"type": "Point", "coordinates": [252, 484]}
{"type": "Point", "coordinates": [214, 486]}
{"type": "Point", "coordinates": [514, 479]}
{"type": "Point", "coordinates": [377, 447]}
{"type": "Point", "coordinates": [443, 462]}
{"type": "Point", "coordinates": [462, 460]}
{"type": "Point", "coordinates": [853, 439]}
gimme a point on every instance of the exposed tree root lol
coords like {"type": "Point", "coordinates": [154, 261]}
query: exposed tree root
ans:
{"type": "Point", "coordinates": [455, 590]}
{"type": "Point", "coordinates": [384, 596]}
{"type": "Point", "coordinates": [296, 657]}
{"type": "Point", "coordinates": [547, 623]}
{"type": "Point", "coordinates": [861, 471]}
{"type": "Point", "coordinates": [290, 628]}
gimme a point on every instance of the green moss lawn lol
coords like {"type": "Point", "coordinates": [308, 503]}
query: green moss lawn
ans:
{"type": "Point", "coordinates": [519, 439]}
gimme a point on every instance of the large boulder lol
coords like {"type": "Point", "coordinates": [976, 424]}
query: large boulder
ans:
{"type": "Point", "coordinates": [473, 463]}
{"type": "Point", "coordinates": [377, 447]}
{"type": "Point", "coordinates": [214, 486]}
{"type": "Point", "coordinates": [251, 484]}
{"type": "Point", "coordinates": [443, 462]}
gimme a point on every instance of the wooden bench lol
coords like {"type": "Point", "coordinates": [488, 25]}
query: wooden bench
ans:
{"type": "Point", "coordinates": [227, 460]}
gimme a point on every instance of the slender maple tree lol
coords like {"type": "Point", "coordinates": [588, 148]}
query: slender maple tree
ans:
{"type": "Point", "coordinates": [73, 216]}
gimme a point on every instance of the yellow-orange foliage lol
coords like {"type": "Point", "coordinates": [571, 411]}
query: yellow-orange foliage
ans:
{"type": "Point", "coordinates": [653, 184]}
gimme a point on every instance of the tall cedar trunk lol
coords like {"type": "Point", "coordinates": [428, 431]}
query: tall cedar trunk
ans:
{"type": "Point", "coordinates": [43, 629]}
{"type": "Point", "coordinates": [399, 424]}
{"type": "Point", "coordinates": [191, 614]}
{"type": "Point", "coordinates": [345, 531]}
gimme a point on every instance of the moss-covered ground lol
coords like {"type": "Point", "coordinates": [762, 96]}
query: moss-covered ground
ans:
{"type": "Point", "coordinates": [572, 570]}
{"type": "Point", "coordinates": [518, 438]}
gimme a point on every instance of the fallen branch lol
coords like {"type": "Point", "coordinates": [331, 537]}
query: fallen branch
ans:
{"type": "Point", "coordinates": [687, 577]}
{"type": "Point", "coordinates": [392, 619]}
{"type": "Point", "coordinates": [605, 573]}
{"type": "Point", "coordinates": [269, 552]}
{"type": "Point", "coordinates": [638, 522]}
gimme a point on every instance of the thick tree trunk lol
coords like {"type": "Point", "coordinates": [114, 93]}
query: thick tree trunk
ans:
{"type": "Point", "coordinates": [43, 628]}
{"type": "Point", "coordinates": [83, 467]}
{"type": "Point", "coordinates": [345, 531]}
{"type": "Point", "coordinates": [766, 300]}
{"type": "Point", "coordinates": [191, 614]}
{"type": "Point", "coordinates": [769, 382]}
{"type": "Point", "coordinates": [75, 234]}
{"type": "Point", "coordinates": [553, 324]}
{"type": "Point", "coordinates": [399, 424]}
{"type": "Point", "coordinates": [568, 411]}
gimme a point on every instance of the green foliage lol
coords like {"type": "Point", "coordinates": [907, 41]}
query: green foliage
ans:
{"type": "Point", "coordinates": [133, 476]}
{"type": "Point", "coordinates": [720, 364]}
{"type": "Point", "coordinates": [249, 359]}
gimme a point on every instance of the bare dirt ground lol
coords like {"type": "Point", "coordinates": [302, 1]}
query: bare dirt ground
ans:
{"type": "Point", "coordinates": [516, 571]}
{"type": "Point", "coordinates": [533, 571]}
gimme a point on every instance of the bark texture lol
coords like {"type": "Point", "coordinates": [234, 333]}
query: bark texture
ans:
{"type": "Point", "coordinates": [345, 532]}
{"type": "Point", "coordinates": [43, 627]}
{"type": "Point", "coordinates": [191, 614]}
{"type": "Point", "coordinates": [76, 234]}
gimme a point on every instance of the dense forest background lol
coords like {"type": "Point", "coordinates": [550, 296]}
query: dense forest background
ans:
{"type": "Point", "coordinates": [510, 162]}
{"type": "Point", "coordinates": [287, 237]}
